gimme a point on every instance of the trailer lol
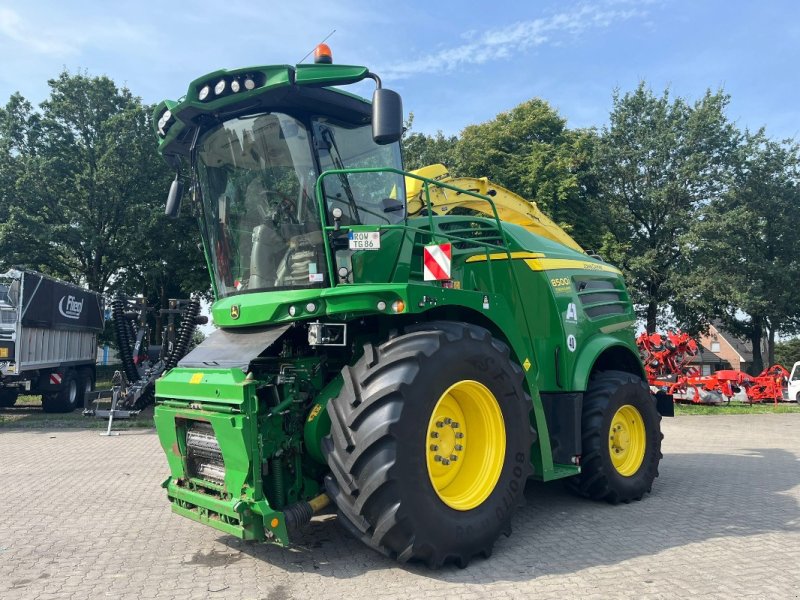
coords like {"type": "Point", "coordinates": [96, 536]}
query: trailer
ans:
{"type": "Point", "coordinates": [48, 339]}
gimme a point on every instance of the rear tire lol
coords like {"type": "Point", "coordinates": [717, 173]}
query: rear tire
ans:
{"type": "Point", "coordinates": [85, 385]}
{"type": "Point", "coordinates": [66, 398]}
{"type": "Point", "coordinates": [619, 418]}
{"type": "Point", "coordinates": [390, 492]}
{"type": "Point", "coordinates": [8, 397]}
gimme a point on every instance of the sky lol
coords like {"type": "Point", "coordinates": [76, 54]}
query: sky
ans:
{"type": "Point", "coordinates": [455, 63]}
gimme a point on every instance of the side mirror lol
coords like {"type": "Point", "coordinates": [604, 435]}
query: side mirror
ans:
{"type": "Point", "coordinates": [174, 198]}
{"type": "Point", "coordinates": [387, 116]}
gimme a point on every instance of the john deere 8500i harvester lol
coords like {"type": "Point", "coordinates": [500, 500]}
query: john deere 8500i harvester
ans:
{"type": "Point", "coordinates": [409, 346]}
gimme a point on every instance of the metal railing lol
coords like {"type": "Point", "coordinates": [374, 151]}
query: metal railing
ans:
{"type": "Point", "coordinates": [434, 233]}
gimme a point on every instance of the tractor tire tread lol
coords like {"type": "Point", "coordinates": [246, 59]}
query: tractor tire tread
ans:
{"type": "Point", "coordinates": [361, 449]}
{"type": "Point", "coordinates": [595, 481]}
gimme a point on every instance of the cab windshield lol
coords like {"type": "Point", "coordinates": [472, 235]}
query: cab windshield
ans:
{"type": "Point", "coordinates": [257, 176]}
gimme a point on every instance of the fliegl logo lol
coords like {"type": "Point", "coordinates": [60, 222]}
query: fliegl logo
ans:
{"type": "Point", "coordinates": [70, 307]}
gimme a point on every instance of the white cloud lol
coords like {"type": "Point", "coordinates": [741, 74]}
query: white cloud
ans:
{"type": "Point", "coordinates": [500, 43]}
{"type": "Point", "coordinates": [67, 37]}
{"type": "Point", "coordinates": [13, 27]}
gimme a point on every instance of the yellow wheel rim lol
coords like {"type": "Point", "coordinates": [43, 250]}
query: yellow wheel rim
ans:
{"type": "Point", "coordinates": [465, 445]}
{"type": "Point", "coordinates": [627, 440]}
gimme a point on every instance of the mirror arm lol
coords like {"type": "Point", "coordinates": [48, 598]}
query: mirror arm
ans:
{"type": "Point", "coordinates": [374, 77]}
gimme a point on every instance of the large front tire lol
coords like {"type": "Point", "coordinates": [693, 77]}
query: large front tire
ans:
{"type": "Point", "coordinates": [621, 438]}
{"type": "Point", "coordinates": [446, 390]}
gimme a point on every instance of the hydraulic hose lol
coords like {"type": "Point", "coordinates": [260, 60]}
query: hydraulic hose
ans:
{"type": "Point", "coordinates": [122, 332]}
{"type": "Point", "coordinates": [185, 332]}
{"type": "Point", "coordinates": [276, 480]}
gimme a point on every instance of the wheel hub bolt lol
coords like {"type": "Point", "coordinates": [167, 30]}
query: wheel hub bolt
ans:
{"type": "Point", "coordinates": [459, 447]}
{"type": "Point", "coordinates": [439, 424]}
{"type": "Point", "coordinates": [454, 425]}
{"type": "Point", "coordinates": [445, 462]}
{"type": "Point", "coordinates": [434, 447]}
{"type": "Point", "coordinates": [459, 435]}
{"type": "Point", "coordinates": [448, 420]}
{"type": "Point", "coordinates": [453, 457]}
{"type": "Point", "coordinates": [434, 434]}
{"type": "Point", "coordinates": [437, 458]}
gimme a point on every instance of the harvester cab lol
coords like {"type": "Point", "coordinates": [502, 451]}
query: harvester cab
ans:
{"type": "Point", "coordinates": [408, 345]}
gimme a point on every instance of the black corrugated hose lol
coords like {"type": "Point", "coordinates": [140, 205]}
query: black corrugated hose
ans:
{"type": "Point", "coordinates": [185, 332]}
{"type": "Point", "coordinates": [122, 331]}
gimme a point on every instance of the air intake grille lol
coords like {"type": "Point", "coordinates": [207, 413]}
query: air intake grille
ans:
{"type": "Point", "coordinates": [601, 298]}
{"type": "Point", "coordinates": [472, 230]}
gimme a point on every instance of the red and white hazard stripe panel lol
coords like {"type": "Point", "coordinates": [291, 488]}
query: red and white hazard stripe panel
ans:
{"type": "Point", "coordinates": [55, 378]}
{"type": "Point", "coordinates": [436, 262]}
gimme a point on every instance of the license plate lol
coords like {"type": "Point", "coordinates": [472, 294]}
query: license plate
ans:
{"type": "Point", "coordinates": [365, 240]}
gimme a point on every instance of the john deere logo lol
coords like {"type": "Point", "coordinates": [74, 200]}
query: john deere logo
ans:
{"type": "Point", "coordinates": [234, 311]}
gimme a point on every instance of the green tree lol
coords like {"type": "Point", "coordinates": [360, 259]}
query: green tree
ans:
{"type": "Point", "coordinates": [745, 248]}
{"type": "Point", "coordinates": [787, 353]}
{"type": "Point", "coordinates": [421, 150]}
{"type": "Point", "coordinates": [657, 162]}
{"type": "Point", "coordinates": [19, 127]}
{"type": "Point", "coordinates": [530, 151]}
{"type": "Point", "coordinates": [87, 192]}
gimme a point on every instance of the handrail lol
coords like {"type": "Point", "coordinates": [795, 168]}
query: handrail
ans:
{"type": "Point", "coordinates": [433, 232]}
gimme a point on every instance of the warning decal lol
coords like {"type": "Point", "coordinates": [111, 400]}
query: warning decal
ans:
{"type": "Point", "coordinates": [436, 262]}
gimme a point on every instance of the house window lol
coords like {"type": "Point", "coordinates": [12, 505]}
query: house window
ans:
{"type": "Point", "coordinates": [707, 368]}
{"type": "Point", "coordinates": [715, 346]}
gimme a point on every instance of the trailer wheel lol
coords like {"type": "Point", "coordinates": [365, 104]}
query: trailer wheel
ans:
{"type": "Point", "coordinates": [621, 437]}
{"type": "Point", "coordinates": [8, 397]}
{"type": "Point", "coordinates": [430, 444]}
{"type": "Point", "coordinates": [85, 384]}
{"type": "Point", "coordinates": [66, 398]}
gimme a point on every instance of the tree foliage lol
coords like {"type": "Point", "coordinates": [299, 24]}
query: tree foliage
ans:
{"type": "Point", "coordinates": [744, 247]}
{"type": "Point", "coordinates": [421, 150]}
{"type": "Point", "coordinates": [83, 192]}
{"type": "Point", "coordinates": [787, 353]}
{"type": "Point", "coordinates": [530, 151]}
{"type": "Point", "coordinates": [657, 162]}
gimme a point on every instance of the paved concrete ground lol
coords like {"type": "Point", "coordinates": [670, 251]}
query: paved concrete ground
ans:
{"type": "Point", "coordinates": [84, 517]}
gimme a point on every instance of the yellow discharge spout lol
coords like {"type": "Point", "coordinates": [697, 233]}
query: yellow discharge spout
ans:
{"type": "Point", "coordinates": [511, 208]}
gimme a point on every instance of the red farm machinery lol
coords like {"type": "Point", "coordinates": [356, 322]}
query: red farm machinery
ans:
{"type": "Point", "coordinates": [667, 357]}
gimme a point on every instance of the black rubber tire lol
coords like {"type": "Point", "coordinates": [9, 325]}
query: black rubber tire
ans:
{"type": "Point", "coordinates": [377, 446]}
{"type": "Point", "coordinates": [599, 480]}
{"type": "Point", "coordinates": [8, 396]}
{"type": "Point", "coordinates": [66, 399]}
{"type": "Point", "coordinates": [85, 385]}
